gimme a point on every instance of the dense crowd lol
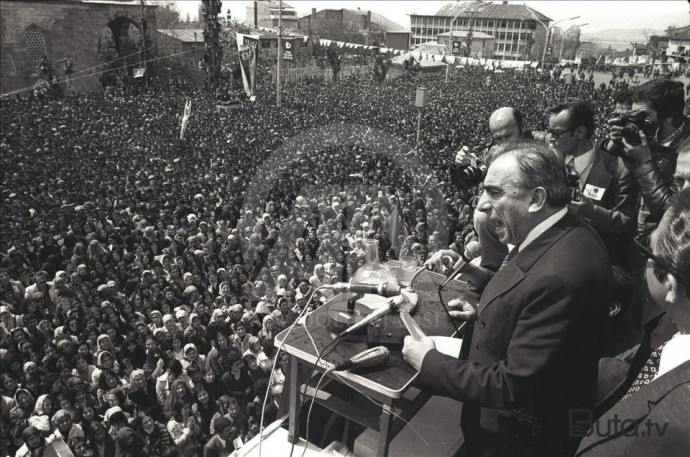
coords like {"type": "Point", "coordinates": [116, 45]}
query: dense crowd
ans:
{"type": "Point", "coordinates": [144, 277]}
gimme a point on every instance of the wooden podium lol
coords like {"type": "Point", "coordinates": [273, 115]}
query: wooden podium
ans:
{"type": "Point", "coordinates": [390, 385]}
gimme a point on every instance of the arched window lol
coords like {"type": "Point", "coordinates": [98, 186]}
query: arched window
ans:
{"type": "Point", "coordinates": [35, 44]}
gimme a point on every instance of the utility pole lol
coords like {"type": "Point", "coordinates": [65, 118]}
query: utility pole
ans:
{"type": "Point", "coordinates": [213, 56]}
{"type": "Point", "coordinates": [143, 41]}
{"type": "Point", "coordinates": [280, 48]}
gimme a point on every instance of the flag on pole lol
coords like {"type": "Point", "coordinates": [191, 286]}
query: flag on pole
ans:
{"type": "Point", "coordinates": [397, 228]}
{"type": "Point", "coordinates": [185, 117]}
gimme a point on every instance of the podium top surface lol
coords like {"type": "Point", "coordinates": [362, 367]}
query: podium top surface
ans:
{"type": "Point", "coordinates": [393, 378]}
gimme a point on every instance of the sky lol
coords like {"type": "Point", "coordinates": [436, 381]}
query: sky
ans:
{"type": "Point", "coordinates": [598, 15]}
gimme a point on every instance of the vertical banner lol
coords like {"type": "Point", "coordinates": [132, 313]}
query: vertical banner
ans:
{"type": "Point", "coordinates": [289, 49]}
{"type": "Point", "coordinates": [455, 48]}
{"type": "Point", "coordinates": [248, 48]}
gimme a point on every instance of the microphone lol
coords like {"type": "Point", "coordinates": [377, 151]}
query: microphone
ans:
{"type": "Point", "coordinates": [393, 305]}
{"type": "Point", "coordinates": [471, 251]}
{"type": "Point", "coordinates": [369, 358]}
{"type": "Point", "coordinates": [385, 289]}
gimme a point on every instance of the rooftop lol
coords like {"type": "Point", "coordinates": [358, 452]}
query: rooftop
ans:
{"type": "Point", "coordinates": [376, 18]}
{"type": "Point", "coordinates": [184, 35]}
{"type": "Point", "coordinates": [275, 4]}
{"type": "Point", "coordinates": [491, 11]}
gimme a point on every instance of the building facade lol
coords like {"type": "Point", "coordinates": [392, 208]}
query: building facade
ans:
{"type": "Point", "coordinates": [65, 31]}
{"type": "Point", "coordinates": [481, 45]}
{"type": "Point", "coordinates": [267, 14]}
{"type": "Point", "coordinates": [519, 31]}
{"type": "Point", "coordinates": [398, 40]}
{"type": "Point", "coordinates": [352, 26]}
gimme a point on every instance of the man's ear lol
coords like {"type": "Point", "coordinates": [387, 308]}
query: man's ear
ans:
{"type": "Point", "coordinates": [581, 131]}
{"type": "Point", "coordinates": [675, 290]}
{"type": "Point", "coordinates": [538, 200]}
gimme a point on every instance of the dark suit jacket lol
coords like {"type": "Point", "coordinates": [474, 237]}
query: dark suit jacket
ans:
{"type": "Point", "coordinates": [214, 448]}
{"type": "Point", "coordinates": [651, 422]}
{"type": "Point", "coordinates": [614, 213]}
{"type": "Point", "coordinates": [535, 347]}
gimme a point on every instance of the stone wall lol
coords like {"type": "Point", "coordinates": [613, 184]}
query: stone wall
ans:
{"type": "Point", "coordinates": [70, 28]}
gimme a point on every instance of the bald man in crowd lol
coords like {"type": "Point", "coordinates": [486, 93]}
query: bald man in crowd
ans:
{"type": "Point", "coordinates": [505, 125]}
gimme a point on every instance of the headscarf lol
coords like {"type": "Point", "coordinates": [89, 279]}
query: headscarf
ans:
{"type": "Point", "coordinates": [268, 317]}
{"type": "Point", "coordinates": [27, 365]}
{"type": "Point", "coordinates": [100, 340]}
{"type": "Point", "coordinates": [128, 443]}
{"type": "Point", "coordinates": [59, 415]}
{"type": "Point", "coordinates": [189, 346]}
{"type": "Point", "coordinates": [112, 412]}
{"type": "Point", "coordinates": [100, 357]}
{"type": "Point", "coordinates": [20, 390]}
{"type": "Point", "coordinates": [38, 409]}
{"type": "Point", "coordinates": [217, 315]}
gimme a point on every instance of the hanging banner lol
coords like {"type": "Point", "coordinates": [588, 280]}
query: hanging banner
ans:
{"type": "Point", "coordinates": [248, 48]}
{"type": "Point", "coordinates": [456, 48]}
{"type": "Point", "coordinates": [288, 49]}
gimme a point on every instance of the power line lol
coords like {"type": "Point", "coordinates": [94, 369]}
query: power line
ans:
{"type": "Point", "coordinates": [99, 73]}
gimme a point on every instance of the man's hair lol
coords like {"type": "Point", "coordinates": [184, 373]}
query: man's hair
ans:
{"type": "Point", "coordinates": [624, 97]}
{"type": "Point", "coordinates": [220, 424]}
{"type": "Point", "coordinates": [671, 243]}
{"type": "Point", "coordinates": [539, 166]}
{"type": "Point", "coordinates": [579, 113]}
{"type": "Point", "coordinates": [665, 96]}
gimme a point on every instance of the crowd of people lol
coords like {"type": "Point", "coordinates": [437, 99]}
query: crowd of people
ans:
{"type": "Point", "coordinates": [144, 277]}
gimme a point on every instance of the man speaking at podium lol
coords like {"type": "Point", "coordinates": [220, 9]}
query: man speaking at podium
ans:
{"type": "Point", "coordinates": [534, 349]}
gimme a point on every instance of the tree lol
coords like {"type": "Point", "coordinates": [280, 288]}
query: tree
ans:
{"type": "Point", "coordinates": [167, 14]}
{"type": "Point", "coordinates": [647, 33]}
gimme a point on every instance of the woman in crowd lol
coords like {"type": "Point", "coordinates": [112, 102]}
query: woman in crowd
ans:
{"type": "Point", "coordinates": [185, 430]}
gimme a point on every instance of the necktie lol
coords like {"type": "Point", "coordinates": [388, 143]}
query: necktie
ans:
{"type": "Point", "coordinates": [513, 252]}
{"type": "Point", "coordinates": [648, 371]}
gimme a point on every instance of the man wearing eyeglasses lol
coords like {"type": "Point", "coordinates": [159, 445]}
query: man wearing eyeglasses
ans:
{"type": "Point", "coordinates": [652, 162]}
{"type": "Point", "coordinates": [607, 191]}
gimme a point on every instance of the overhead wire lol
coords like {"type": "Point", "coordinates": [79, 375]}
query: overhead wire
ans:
{"type": "Point", "coordinates": [29, 88]}
{"type": "Point", "coordinates": [345, 381]}
{"type": "Point", "coordinates": [270, 379]}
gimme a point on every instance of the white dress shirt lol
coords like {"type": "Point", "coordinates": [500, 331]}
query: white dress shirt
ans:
{"type": "Point", "coordinates": [542, 227]}
{"type": "Point", "coordinates": [675, 353]}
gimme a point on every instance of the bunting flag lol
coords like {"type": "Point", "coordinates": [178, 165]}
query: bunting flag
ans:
{"type": "Point", "coordinates": [248, 48]}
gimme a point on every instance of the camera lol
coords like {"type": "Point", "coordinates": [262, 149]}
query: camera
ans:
{"type": "Point", "coordinates": [632, 122]}
{"type": "Point", "coordinates": [469, 175]}
{"type": "Point", "coordinates": [574, 185]}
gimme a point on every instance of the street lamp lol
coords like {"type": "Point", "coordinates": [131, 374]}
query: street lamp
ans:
{"type": "Point", "coordinates": [548, 30]}
{"type": "Point", "coordinates": [472, 10]}
{"type": "Point", "coordinates": [564, 33]}
{"type": "Point", "coordinates": [420, 103]}
{"type": "Point", "coordinates": [548, 34]}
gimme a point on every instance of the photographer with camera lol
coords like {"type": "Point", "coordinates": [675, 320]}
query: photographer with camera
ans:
{"type": "Point", "coordinates": [648, 139]}
{"type": "Point", "coordinates": [605, 194]}
{"type": "Point", "coordinates": [469, 169]}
